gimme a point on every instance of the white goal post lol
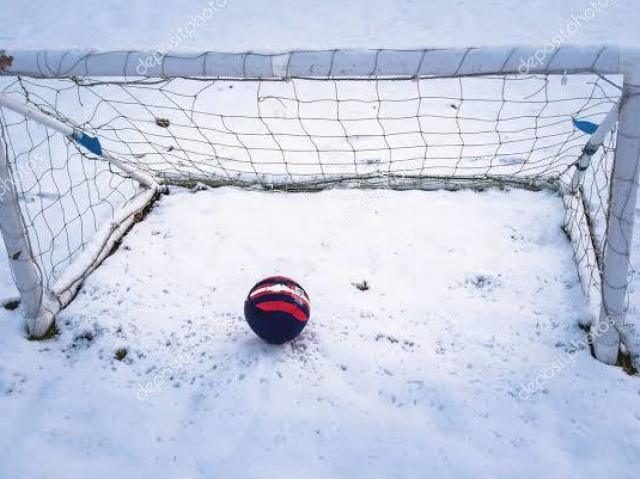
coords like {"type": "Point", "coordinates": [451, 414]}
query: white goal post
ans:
{"type": "Point", "coordinates": [89, 139]}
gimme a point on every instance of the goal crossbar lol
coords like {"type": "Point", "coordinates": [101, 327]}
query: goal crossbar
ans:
{"type": "Point", "coordinates": [321, 64]}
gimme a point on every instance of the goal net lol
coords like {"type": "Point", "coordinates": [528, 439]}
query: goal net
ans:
{"type": "Point", "coordinates": [90, 139]}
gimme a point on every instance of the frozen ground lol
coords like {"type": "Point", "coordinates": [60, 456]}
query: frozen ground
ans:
{"type": "Point", "coordinates": [472, 296]}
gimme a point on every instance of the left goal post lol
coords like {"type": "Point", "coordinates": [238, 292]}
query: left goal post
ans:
{"type": "Point", "coordinates": [36, 304]}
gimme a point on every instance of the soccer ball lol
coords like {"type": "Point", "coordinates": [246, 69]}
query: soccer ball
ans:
{"type": "Point", "coordinates": [277, 309]}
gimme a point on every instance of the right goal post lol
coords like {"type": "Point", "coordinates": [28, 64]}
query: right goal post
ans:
{"type": "Point", "coordinates": [90, 139]}
{"type": "Point", "coordinates": [621, 216]}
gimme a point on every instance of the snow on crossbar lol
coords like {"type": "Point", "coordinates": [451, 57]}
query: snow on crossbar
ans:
{"type": "Point", "coordinates": [321, 64]}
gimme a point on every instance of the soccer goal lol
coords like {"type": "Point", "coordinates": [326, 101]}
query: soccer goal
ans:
{"type": "Point", "coordinates": [90, 139]}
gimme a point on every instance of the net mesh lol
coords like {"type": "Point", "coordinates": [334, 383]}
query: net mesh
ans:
{"type": "Point", "coordinates": [65, 197]}
{"type": "Point", "coordinates": [301, 135]}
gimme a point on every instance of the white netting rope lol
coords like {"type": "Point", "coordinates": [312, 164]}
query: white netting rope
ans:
{"type": "Point", "coordinates": [362, 130]}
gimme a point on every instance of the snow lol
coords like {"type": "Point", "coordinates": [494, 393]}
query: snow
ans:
{"type": "Point", "coordinates": [460, 360]}
{"type": "Point", "coordinates": [426, 368]}
{"type": "Point", "coordinates": [240, 25]}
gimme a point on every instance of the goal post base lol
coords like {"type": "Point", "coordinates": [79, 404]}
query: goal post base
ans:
{"type": "Point", "coordinates": [605, 339]}
{"type": "Point", "coordinates": [102, 245]}
{"type": "Point", "coordinates": [39, 326]}
{"type": "Point", "coordinates": [370, 182]}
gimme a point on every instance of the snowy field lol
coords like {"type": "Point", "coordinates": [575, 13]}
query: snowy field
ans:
{"type": "Point", "coordinates": [463, 358]}
{"type": "Point", "coordinates": [429, 368]}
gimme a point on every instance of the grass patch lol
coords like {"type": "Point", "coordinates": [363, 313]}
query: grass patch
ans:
{"type": "Point", "coordinates": [51, 333]}
{"type": "Point", "coordinates": [11, 304]}
{"type": "Point", "coordinates": [121, 353]}
{"type": "Point", "coordinates": [625, 362]}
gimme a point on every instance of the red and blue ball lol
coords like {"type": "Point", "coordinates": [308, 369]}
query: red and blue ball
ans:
{"type": "Point", "coordinates": [277, 309]}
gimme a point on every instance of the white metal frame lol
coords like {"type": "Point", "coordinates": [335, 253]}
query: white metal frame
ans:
{"type": "Point", "coordinates": [35, 302]}
{"type": "Point", "coordinates": [322, 64]}
{"type": "Point", "coordinates": [345, 64]}
{"type": "Point", "coordinates": [620, 223]}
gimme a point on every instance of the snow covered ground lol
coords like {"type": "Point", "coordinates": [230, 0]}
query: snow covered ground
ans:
{"type": "Point", "coordinates": [459, 358]}
{"type": "Point", "coordinates": [458, 361]}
